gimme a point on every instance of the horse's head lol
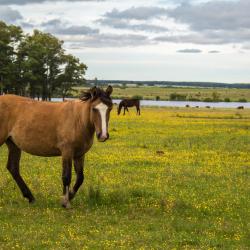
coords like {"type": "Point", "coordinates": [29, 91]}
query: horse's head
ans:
{"type": "Point", "coordinates": [100, 107]}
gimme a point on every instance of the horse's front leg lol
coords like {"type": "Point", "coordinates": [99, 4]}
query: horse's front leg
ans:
{"type": "Point", "coordinates": [66, 177]}
{"type": "Point", "coordinates": [138, 111]}
{"type": "Point", "coordinates": [78, 165]}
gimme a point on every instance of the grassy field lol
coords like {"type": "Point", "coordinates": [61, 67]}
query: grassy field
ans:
{"type": "Point", "coordinates": [169, 179]}
{"type": "Point", "coordinates": [164, 93]}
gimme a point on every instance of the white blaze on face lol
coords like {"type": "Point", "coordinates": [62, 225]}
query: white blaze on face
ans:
{"type": "Point", "coordinates": [102, 108]}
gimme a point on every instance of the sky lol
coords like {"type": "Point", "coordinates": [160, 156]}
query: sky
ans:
{"type": "Point", "coordinates": [148, 40]}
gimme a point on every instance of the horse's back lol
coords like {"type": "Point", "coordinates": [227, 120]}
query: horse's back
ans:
{"type": "Point", "coordinates": [131, 102]}
{"type": "Point", "coordinates": [32, 125]}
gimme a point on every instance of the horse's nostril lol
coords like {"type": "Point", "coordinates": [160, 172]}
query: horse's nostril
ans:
{"type": "Point", "coordinates": [98, 135]}
{"type": "Point", "coordinates": [102, 138]}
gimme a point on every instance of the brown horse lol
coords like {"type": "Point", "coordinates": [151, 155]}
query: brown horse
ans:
{"type": "Point", "coordinates": [125, 103]}
{"type": "Point", "coordinates": [54, 129]}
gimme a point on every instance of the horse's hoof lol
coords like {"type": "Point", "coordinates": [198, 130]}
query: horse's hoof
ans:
{"type": "Point", "coordinates": [71, 195]}
{"type": "Point", "coordinates": [65, 203]}
{"type": "Point", "coordinates": [32, 200]}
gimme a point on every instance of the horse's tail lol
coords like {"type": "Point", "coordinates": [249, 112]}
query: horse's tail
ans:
{"type": "Point", "coordinates": [119, 108]}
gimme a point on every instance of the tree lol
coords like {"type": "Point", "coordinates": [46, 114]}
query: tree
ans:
{"type": "Point", "coordinates": [10, 38]}
{"type": "Point", "coordinates": [216, 97]}
{"type": "Point", "coordinates": [36, 64]}
{"type": "Point", "coordinates": [42, 60]}
{"type": "Point", "coordinates": [72, 74]}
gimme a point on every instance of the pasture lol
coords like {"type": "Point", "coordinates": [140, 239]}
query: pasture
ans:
{"type": "Point", "coordinates": [150, 93]}
{"type": "Point", "coordinates": [172, 178]}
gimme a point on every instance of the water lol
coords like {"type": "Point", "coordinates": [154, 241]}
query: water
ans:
{"type": "Point", "coordinates": [181, 103]}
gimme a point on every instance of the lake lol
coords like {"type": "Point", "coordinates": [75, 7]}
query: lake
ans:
{"type": "Point", "coordinates": [181, 103]}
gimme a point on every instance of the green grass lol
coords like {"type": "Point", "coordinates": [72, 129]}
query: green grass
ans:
{"type": "Point", "coordinates": [172, 178]}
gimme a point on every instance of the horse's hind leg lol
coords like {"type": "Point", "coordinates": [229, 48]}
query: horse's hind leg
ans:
{"type": "Point", "coordinates": [78, 165]}
{"type": "Point", "coordinates": [66, 177]}
{"type": "Point", "coordinates": [13, 167]}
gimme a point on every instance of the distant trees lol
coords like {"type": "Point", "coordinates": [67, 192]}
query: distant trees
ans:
{"type": "Point", "coordinates": [36, 65]}
{"type": "Point", "coordinates": [177, 97]}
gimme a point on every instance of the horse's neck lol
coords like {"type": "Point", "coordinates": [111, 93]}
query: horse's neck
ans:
{"type": "Point", "coordinates": [83, 121]}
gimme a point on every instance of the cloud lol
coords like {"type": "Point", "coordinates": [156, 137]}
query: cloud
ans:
{"type": "Point", "coordinates": [9, 15]}
{"type": "Point", "coordinates": [210, 22]}
{"type": "Point", "coordinates": [213, 15]}
{"type": "Point", "coordinates": [73, 30]}
{"type": "Point", "coordinates": [108, 40]}
{"type": "Point", "coordinates": [27, 25]}
{"type": "Point", "coordinates": [125, 24]}
{"type": "Point", "coordinates": [189, 51]}
{"type": "Point", "coordinates": [137, 13]}
{"type": "Point", "coordinates": [77, 37]}
{"type": "Point", "coordinates": [134, 19]}
{"type": "Point", "coordinates": [58, 27]}
{"type": "Point", "coordinates": [213, 51]}
{"type": "Point", "coordinates": [23, 2]}
{"type": "Point", "coordinates": [246, 47]}
{"type": "Point", "coordinates": [209, 37]}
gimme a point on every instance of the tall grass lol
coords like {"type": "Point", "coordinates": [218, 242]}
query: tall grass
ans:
{"type": "Point", "coordinates": [162, 181]}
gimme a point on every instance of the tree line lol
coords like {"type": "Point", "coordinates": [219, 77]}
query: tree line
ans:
{"type": "Point", "coordinates": [170, 84]}
{"type": "Point", "coordinates": [36, 65]}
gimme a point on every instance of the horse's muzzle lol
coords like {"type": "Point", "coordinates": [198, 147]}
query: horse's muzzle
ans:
{"type": "Point", "coordinates": [102, 138]}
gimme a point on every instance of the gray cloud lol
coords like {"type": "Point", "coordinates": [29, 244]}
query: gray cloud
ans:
{"type": "Point", "coordinates": [73, 30]}
{"type": "Point", "coordinates": [246, 46]}
{"type": "Point", "coordinates": [9, 15]}
{"type": "Point", "coordinates": [28, 25]}
{"type": "Point", "coordinates": [213, 15]}
{"type": "Point", "coordinates": [189, 51]}
{"type": "Point", "coordinates": [108, 40]}
{"type": "Point", "coordinates": [58, 27]}
{"type": "Point", "coordinates": [137, 13]}
{"type": "Point", "coordinates": [213, 51]}
{"type": "Point", "coordinates": [125, 24]}
{"type": "Point", "coordinates": [83, 36]}
{"type": "Point", "coordinates": [23, 2]}
{"type": "Point", "coordinates": [209, 37]}
{"type": "Point", "coordinates": [212, 22]}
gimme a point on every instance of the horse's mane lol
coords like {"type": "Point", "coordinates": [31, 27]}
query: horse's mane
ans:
{"type": "Point", "coordinates": [94, 93]}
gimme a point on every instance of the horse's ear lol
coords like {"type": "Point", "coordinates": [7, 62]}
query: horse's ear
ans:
{"type": "Point", "coordinates": [109, 90]}
{"type": "Point", "coordinates": [93, 92]}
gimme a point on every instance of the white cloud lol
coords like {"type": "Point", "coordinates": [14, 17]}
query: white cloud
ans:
{"type": "Point", "coordinates": [139, 39]}
{"type": "Point", "coordinates": [9, 15]}
{"type": "Point", "coordinates": [23, 2]}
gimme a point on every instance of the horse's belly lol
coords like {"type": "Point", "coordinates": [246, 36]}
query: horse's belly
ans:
{"type": "Point", "coordinates": [41, 152]}
{"type": "Point", "coordinates": [39, 147]}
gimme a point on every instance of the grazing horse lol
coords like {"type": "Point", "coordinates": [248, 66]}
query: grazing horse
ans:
{"type": "Point", "coordinates": [240, 107]}
{"type": "Point", "coordinates": [125, 103]}
{"type": "Point", "coordinates": [54, 129]}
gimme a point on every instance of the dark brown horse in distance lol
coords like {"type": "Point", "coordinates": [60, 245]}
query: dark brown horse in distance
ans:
{"type": "Point", "coordinates": [54, 129]}
{"type": "Point", "coordinates": [125, 103]}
